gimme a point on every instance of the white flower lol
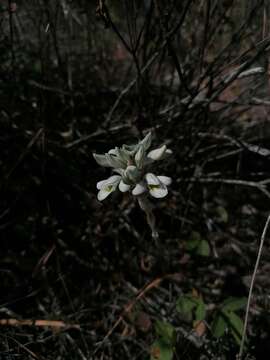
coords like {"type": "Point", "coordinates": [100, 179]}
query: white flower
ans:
{"type": "Point", "coordinates": [159, 153]}
{"type": "Point", "coordinates": [123, 187]}
{"type": "Point", "coordinates": [106, 187]}
{"type": "Point", "coordinates": [157, 185]}
{"type": "Point", "coordinates": [131, 162]}
{"type": "Point", "coordinates": [139, 189]}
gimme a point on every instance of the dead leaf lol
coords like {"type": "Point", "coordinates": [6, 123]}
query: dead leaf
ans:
{"type": "Point", "coordinates": [200, 328]}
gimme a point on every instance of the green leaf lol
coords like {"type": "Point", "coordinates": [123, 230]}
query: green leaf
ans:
{"type": "Point", "coordinates": [193, 241]}
{"type": "Point", "coordinates": [236, 325]}
{"type": "Point", "coordinates": [102, 160]}
{"type": "Point", "coordinates": [115, 161]}
{"type": "Point", "coordinates": [219, 325]}
{"type": "Point", "coordinates": [203, 248]}
{"type": "Point", "coordinates": [234, 304]}
{"type": "Point", "coordinates": [165, 331]}
{"type": "Point", "coordinates": [222, 214]}
{"type": "Point", "coordinates": [200, 311]}
{"type": "Point", "coordinates": [131, 149]}
{"type": "Point", "coordinates": [161, 351]}
{"type": "Point", "coordinates": [123, 154]}
{"type": "Point", "coordinates": [185, 305]}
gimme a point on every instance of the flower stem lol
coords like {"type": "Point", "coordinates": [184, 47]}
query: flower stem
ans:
{"type": "Point", "coordinates": [147, 207]}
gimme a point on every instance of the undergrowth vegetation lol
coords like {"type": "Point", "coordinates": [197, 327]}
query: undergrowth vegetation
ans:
{"type": "Point", "coordinates": [83, 279]}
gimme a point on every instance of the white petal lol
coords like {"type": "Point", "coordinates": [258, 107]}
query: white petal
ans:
{"type": "Point", "coordinates": [157, 154]}
{"type": "Point", "coordinates": [152, 179]}
{"type": "Point", "coordinates": [166, 180]}
{"type": "Point", "coordinates": [101, 183]}
{"type": "Point", "coordinates": [139, 189]}
{"type": "Point", "coordinates": [159, 192]}
{"type": "Point", "coordinates": [102, 194]}
{"type": "Point", "coordinates": [123, 187]}
{"type": "Point", "coordinates": [112, 180]}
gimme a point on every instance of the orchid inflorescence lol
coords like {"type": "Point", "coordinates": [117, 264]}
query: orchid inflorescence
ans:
{"type": "Point", "coordinates": [131, 163]}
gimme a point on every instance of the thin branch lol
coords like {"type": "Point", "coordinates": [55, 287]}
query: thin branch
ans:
{"type": "Point", "coordinates": [168, 36]}
{"type": "Point", "coordinates": [260, 185]}
{"type": "Point", "coordinates": [241, 350]}
{"type": "Point", "coordinates": [25, 152]}
{"type": "Point", "coordinates": [39, 323]}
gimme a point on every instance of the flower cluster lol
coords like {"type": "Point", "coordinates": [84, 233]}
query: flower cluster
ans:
{"type": "Point", "coordinates": [131, 162]}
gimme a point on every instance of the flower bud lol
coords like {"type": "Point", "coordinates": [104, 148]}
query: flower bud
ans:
{"type": "Point", "coordinates": [139, 157]}
{"type": "Point", "coordinates": [132, 175]}
{"type": "Point", "coordinates": [146, 142]}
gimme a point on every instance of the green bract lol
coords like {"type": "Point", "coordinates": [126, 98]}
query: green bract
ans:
{"type": "Point", "coordinates": [131, 162]}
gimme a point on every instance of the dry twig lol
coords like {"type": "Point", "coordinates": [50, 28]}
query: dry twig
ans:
{"type": "Point", "coordinates": [240, 354]}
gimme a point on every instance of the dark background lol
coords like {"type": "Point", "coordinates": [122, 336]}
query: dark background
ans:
{"type": "Point", "coordinates": [78, 77]}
